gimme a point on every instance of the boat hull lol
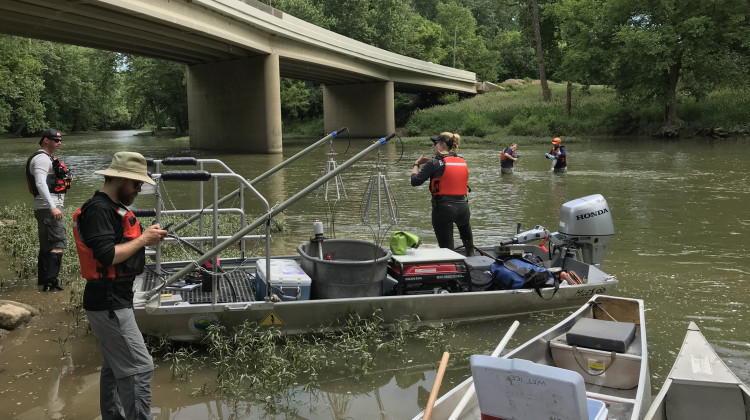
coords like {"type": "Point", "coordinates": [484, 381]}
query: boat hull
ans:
{"type": "Point", "coordinates": [700, 385]}
{"type": "Point", "coordinates": [188, 322]}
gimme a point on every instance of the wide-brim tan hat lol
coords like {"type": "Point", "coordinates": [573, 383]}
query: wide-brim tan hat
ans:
{"type": "Point", "coordinates": [130, 165]}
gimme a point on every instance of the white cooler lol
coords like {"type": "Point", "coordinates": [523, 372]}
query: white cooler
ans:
{"type": "Point", "coordinates": [288, 281]}
{"type": "Point", "coordinates": [521, 389]}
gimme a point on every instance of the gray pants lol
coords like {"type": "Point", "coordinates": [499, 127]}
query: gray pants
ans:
{"type": "Point", "coordinates": [506, 171]}
{"type": "Point", "coordinates": [51, 231]}
{"type": "Point", "coordinates": [127, 367]}
{"type": "Point", "coordinates": [51, 237]}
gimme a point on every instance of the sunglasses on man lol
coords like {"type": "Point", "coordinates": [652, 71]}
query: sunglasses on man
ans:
{"type": "Point", "coordinates": [55, 139]}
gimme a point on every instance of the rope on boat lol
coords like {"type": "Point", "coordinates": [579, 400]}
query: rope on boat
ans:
{"type": "Point", "coordinates": [597, 305]}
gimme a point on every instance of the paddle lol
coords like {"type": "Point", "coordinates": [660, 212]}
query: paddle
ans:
{"type": "Point", "coordinates": [436, 386]}
{"type": "Point", "coordinates": [470, 392]}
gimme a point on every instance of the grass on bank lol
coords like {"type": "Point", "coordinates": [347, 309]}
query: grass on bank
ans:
{"type": "Point", "coordinates": [520, 111]}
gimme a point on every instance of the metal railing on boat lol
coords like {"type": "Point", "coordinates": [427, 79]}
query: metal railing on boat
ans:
{"type": "Point", "coordinates": [201, 175]}
{"type": "Point", "coordinates": [246, 228]}
{"type": "Point", "coordinates": [268, 173]}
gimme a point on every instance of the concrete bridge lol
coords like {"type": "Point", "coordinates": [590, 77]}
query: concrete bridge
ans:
{"type": "Point", "coordinates": [236, 51]}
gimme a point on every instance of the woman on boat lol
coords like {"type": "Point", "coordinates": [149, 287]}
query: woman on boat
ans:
{"type": "Point", "coordinates": [449, 176]}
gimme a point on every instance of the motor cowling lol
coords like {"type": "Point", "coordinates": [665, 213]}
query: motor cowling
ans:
{"type": "Point", "coordinates": [586, 224]}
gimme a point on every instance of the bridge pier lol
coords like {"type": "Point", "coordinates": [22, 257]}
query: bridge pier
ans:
{"type": "Point", "coordinates": [235, 105]}
{"type": "Point", "coordinates": [366, 108]}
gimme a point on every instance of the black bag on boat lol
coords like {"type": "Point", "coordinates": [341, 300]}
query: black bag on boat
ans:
{"type": "Point", "coordinates": [520, 273]}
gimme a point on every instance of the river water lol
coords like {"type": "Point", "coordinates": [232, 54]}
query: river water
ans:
{"type": "Point", "coordinates": [680, 211]}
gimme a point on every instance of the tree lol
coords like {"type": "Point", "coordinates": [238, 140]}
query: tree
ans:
{"type": "Point", "coordinates": [652, 51]}
{"type": "Point", "coordinates": [517, 56]}
{"type": "Point", "coordinates": [157, 92]}
{"type": "Point", "coordinates": [295, 99]}
{"type": "Point", "coordinates": [470, 51]}
{"type": "Point", "coordinates": [81, 87]}
{"type": "Point", "coordinates": [21, 86]}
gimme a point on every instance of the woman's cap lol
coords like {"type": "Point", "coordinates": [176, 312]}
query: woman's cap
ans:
{"type": "Point", "coordinates": [556, 140]}
{"type": "Point", "coordinates": [441, 138]}
{"type": "Point", "coordinates": [130, 165]}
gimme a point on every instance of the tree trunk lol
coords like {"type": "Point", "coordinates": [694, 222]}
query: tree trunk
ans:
{"type": "Point", "coordinates": [670, 113]}
{"type": "Point", "coordinates": [569, 99]}
{"type": "Point", "coordinates": [672, 123]}
{"type": "Point", "coordinates": [539, 53]}
{"type": "Point", "coordinates": [18, 131]}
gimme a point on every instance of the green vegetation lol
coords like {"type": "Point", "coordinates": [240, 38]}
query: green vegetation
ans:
{"type": "Point", "coordinates": [519, 111]}
{"type": "Point", "coordinates": [653, 52]}
{"type": "Point", "coordinates": [655, 57]}
{"type": "Point", "coordinates": [257, 366]}
{"type": "Point", "coordinates": [306, 128]}
{"type": "Point", "coordinates": [19, 239]}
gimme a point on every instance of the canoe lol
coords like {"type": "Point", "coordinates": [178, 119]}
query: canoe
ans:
{"type": "Point", "coordinates": [624, 386]}
{"type": "Point", "coordinates": [700, 386]}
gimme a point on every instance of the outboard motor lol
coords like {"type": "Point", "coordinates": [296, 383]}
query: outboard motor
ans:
{"type": "Point", "coordinates": [586, 224]}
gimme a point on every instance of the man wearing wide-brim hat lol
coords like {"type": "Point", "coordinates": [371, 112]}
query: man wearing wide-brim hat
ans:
{"type": "Point", "coordinates": [111, 251]}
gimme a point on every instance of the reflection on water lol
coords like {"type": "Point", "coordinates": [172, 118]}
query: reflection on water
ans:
{"type": "Point", "coordinates": [680, 214]}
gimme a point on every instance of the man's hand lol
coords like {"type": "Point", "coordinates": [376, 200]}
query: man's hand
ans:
{"type": "Point", "coordinates": [153, 235]}
{"type": "Point", "coordinates": [56, 213]}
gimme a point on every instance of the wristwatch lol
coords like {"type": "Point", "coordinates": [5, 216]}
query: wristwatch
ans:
{"type": "Point", "coordinates": [416, 164]}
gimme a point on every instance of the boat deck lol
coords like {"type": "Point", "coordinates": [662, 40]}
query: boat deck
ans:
{"type": "Point", "coordinates": [233, 286]}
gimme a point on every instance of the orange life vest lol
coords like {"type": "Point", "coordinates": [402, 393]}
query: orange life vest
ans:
{"type": "Point", "coordinates": [58, 182]}
{"type": "Point", "coordinates": [454, 180]}
{"type": "Point", "coordinates": [91, 269]}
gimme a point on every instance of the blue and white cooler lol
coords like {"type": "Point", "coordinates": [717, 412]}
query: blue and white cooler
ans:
{"type": "Point", "coordinates": [288, 281]}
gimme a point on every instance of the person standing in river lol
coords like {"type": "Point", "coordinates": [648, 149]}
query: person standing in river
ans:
{"type": "Point", "coordinates": [449, 176]}
{"type": "Point", "coordinates": [48, 180]}
{"type": "Point", "coordinates": [560, 154]}
{"type": "Point", "coordinates": [507, 158]}
{"type": "Point", "coordinates": [111, 251]}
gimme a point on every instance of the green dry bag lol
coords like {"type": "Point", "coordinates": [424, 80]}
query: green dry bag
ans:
{"type": "Point", "coordinates": [401, 240]}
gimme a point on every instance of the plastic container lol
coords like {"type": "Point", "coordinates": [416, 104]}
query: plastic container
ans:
{"type": "Point", "coordinates": [288, 281]}
{"type": "Point", "coordinates": [349, 268]}
{"type": "Point", "coordinates": [521, 389]}
{"type": "Point", "coordinates": [479, 268]}
{"type": "Point", "coordinates": [621, 371]}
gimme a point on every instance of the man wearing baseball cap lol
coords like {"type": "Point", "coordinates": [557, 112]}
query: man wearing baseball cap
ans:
{"type": "Point", "coordinates": [559, 153]}
{"type": "Point", "coordinates": [48, 180]}
{"type": "Point", "coordinates": [111, 251]}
